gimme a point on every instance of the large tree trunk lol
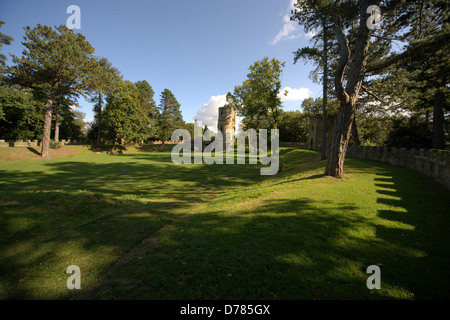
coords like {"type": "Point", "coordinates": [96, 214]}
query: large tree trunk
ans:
{"type": "Point", "coordinates": [57, 124]}
{"type": "Point", "coordinates": [335, 164]}
{"type": "Point", "coordinates": [99, 115]}
{"type": "Point", "coordinates": [47, 128]}
{"type": "Point", "coordinates": [325, 98]}
{"type": "Point", "coordinates": [355, 134]}
{"type": "Point", "coordinates": [438, 121]}
{"type": "Point", "coordinates": [347, 97]}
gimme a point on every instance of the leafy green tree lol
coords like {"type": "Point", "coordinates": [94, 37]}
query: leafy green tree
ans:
{"type": "Point", "coordinates": [147, 103]}
{"type": "Point", "coordinates": [314, 106]}
{"type": "Point", "coordinates": [257, 99]}
{"type": "Point", "coordinates": [293, 126]}
{"type": "Point", "coordinates": [102, 81]}
{"type": "Point", "coordinates": [146, 100]}
{"type": "Point", "coordinates": [190, 127]}
{"type": "Point", "coordinates": [22, 115]}
{"type": "Point", "coordinates": [72, 124]}
{"type": "Point", "coordinates": [55, 62]}
{"type": "Point", "coordinates": [125, 122]}
{"type": "Point", "coordinates": [170, 117]}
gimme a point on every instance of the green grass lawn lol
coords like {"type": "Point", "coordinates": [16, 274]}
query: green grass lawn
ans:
{"type": "Point", "coordinates": [140, 227]}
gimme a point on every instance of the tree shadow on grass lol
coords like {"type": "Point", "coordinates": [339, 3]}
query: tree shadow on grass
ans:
{"type": "Point", "coordinates": [422, 223]}
{"type": "Point", "coordinates": [280, 249]}
{"type": "Point", "coordinates": [33, 150]}
{"type": "Point", "coordinates": [283, 249]}
{"type": "Point", "coordinates": [44, 233]}
{"type": "Point", "coordinates": [173, 244]}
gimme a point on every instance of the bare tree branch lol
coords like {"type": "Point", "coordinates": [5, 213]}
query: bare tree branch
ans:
{"type": "Point", "coordinates": [372, 94]}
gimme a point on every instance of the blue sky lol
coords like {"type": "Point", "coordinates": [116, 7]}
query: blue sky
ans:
{"type": "Point", "coordinates": [199, 49]}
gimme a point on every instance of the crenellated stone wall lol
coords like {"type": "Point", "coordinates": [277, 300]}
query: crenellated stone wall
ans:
{"type": "Point", "coordinates": [430, 162]}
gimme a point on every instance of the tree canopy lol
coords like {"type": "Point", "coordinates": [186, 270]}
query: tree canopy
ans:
{"type": "Point", "coordinates": [257, 98]}
{"type": "Point", "coordinates": [55, 62]}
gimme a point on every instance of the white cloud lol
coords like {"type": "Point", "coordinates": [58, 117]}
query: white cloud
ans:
{"type": "Point", "coordinates": [291, 29]}
{"type": "Point", "coordinates": [294, 94]}
{"type": "Point", "coordinates": [286, 32]}
{"type": "Point", "coordinates": [208, 112]}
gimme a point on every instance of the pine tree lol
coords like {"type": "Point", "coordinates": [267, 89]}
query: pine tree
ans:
{"type": "Point", "coordinates": [422, 71]}
{"type": "Point", "coordinates": [102, 81]}
{"type": "Point", "coordinates": [4, 39]}
{"type": "Point", "coordinates": [55, 62]}
{"type": "Point", "coordinates": [148, 104]}
{"type": "Point", "coordinates": [170, 117]}
{"type": "Point", "coordinates": [351, 32]}
{"type": "Point", "coordinates": [317, 21]}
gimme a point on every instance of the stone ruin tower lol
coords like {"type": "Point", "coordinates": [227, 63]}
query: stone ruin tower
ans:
{"type": "Point", "coordinates": [226, 120]}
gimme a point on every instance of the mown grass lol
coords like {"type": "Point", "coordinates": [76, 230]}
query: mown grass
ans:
{"type": "Point", "coordinates": [140, 227]}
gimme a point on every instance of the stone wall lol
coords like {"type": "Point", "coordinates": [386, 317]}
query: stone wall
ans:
{"type": "Point", "coordinates": [430, 162]}
{"type": "Point", "coordinates": [294, 145]}
{"type": "Point", "coordinates": [19, 143]}
{"type": "Point", "coordinates": [35, 143]}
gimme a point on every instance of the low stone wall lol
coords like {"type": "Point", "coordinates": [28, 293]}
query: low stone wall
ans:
{"type": "Point", "coordinates": [76, 142]}
{"type": "Point", "coordinates": [294, 145]}
{"type": "Point", "coordinates": [166, 142]}
{"type": "Point", "coordinates": [19, 143]}
{"type": "Point", "coordinates": [35, 143]}
{"type": "Point", "coordinates": [430, 162]}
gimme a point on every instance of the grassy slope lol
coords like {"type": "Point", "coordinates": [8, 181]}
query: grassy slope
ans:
{"type": "Point", "coordinates": [140, 227]}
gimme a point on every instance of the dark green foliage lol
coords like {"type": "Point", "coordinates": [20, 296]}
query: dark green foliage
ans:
{"type": "Point", "coordinates": [169, 117]}
{"type": "Point", "coordinates": [313, 106]}
{"type": "Point", "coordinates": [103, 79]}
{"type": "Point", "coordinates": [373, 130]}
{"type": "Point", "coordinates": [92, 130]}
{"type": "Point", "coordinates": [21, 116]}
{"type": "Point", "coordinates": [146, 100]}
{"type": "Point", "coordinates": [411, 132]}
{"type": "Point", "coordinates": [148, 105]}
{"type": "Point", "coordinates": [125, 122]}
{"type": "Point", "coordinates": [72, 124]}
{"type": "Point", "coordinates": [293, 126]}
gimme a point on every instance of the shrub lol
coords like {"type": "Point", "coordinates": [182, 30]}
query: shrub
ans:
{"type": "Point", "coordinates": [55, 145]}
